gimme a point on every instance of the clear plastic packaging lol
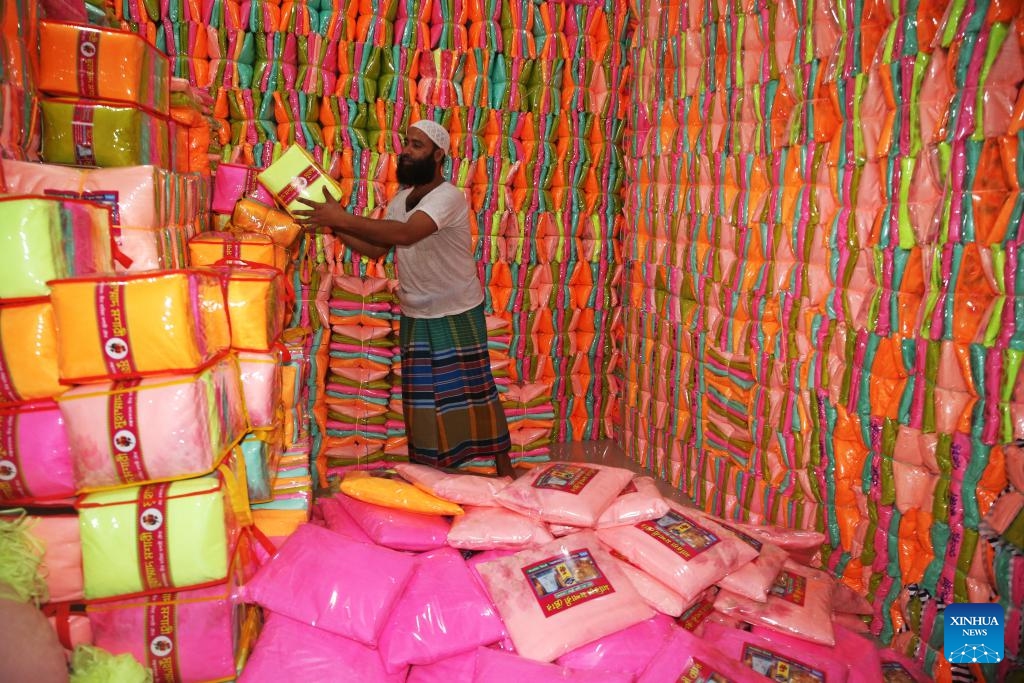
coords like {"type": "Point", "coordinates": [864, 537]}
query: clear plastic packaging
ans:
{"type": "Point", "coordinates": [295, 175]}
{"type": "Point", "coordinates": [88, 133]}
{"type": "Point", "coordinates": [395, 528]}
{"type": "Point", "coordinates": [35, 458]}
{"type": "Point", "coordinates": [383, 487]}
{"type": "Point", "coordinates": [490, 528]}
{"type": "Point", "coordinates": [234, 183]}
{"type": "Point", "coordinates": [28, 352]}
{"type": "Point", "coordinates": [252, 216]}
{"type": "Point", "coordinates": [129, 326]}
{"type": "Point", "coordinates": [256, 302]}
{"type": "Point", "coordinates": [638, 502]}
{"type": "Point", "coordinates": [465, 489]}
{"type": "Point", "coordinates": [565, 492]}
{"type": "Point", "coordinates": [213, 248]}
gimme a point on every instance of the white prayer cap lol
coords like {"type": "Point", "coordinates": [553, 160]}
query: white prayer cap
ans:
{"type": "Point", "coordinates": [435, 131]}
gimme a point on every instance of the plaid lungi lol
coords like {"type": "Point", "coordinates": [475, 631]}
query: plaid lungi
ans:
{"type": "Point", "coordinates": [451, 406]}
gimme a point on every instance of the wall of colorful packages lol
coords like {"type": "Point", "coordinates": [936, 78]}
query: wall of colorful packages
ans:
{"type": "Point", "coordinates": [821, 254]}
{"type": "Point", "coordinates": [770, 247]}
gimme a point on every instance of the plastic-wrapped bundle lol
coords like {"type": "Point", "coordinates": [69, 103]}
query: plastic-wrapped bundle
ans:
{"type": "Point", "coordinates": [128, 432]}
{"type": "Point", "coordinates": [188, 635]}
{"type": "Point", "coordinates": [150, 209]}
{"type": "Point", "coordinates": [260, 468]}
{"type": "Point", "coordinates": [36, 462]}
{"type": "Point", "coordinates": [86, 133]}
{"type": "Point", "coordinates": [275, 66]}
{"type": "Point", "coordinates": [151, 534]}
{"type": "Point", "coordinates": [234, 182]}
{"type": "Point", "coordinates": [109, 65]}
{"type": "Point", "coordinates": [28, 352]}
{"type": "Point", "coordinates": [257, 303]}
{"type": "Point", "coordinates": [135, 325]}
{"type": "Point", "coordinates": [60, 538]}
{"type": "Point", "coordinates": [215, 248]}
{"type": "Point", "coordinates": [296, 175]}
{"type": "Point", "coordinates": [261, 377]}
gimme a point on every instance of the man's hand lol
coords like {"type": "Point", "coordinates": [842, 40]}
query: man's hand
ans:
{"type": "Point", "coordinates": [327, 213]}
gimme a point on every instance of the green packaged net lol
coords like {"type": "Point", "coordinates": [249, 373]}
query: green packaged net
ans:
{"type": "Point", "coordinates": [294, 176]}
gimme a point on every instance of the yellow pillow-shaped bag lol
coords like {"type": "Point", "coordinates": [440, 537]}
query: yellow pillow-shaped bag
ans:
{"type": "Point", "coordinates": [386, 488]}
{"type": "Point", "coordinates": [251, 216]}
{"type": "Point", "coordinates": [125, 326]}
{"type": "Point", "coordinates": [28, 352]}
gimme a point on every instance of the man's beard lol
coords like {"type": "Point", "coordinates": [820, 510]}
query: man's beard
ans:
{"type": "Point", "coordinates": [415, 172]}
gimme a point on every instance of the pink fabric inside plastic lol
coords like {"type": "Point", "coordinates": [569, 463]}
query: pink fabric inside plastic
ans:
{"type": "Point", "coordinates": [656, 594]}
{"type": "Point", "coordinates": [465, 489]}
{"type": "Point", "coordinates": [754, 579]}
{"type": "Point", "coordinates": [337, 519]}
{"type": "Point", "coordinates": [559, 530]}
{"type": "Point", "coordinates": [442, 613]}
{"type": "Point", "coordinates": [326, 580]}
{"type": "Point", "coordinates": [685, 550]}
{"type": "Point", "coordinates": [787, 539]}
{"type": "Point", "coordinates": [490, 528]}
{"type": "Point", "coordinates": [41, 462]}
{"type": "Point", "coordinates": [394, 528]}
{"type": "Point", "coordinates": [234, 181]}
{"type": "Point", "coordinates": [495, 665]}
{"type": "Point", "coordinates": [565, 493]}
{"type": "Point", "coordinates": [474, 563]}
{"type": "Point", "coordinates": [288, 650]}
{"type": "Point", "coordinates": [682, 656]}
{"type": "Point", "coordinates": [638, 502]}
{"type": "Point", "coordinates": [628, 651]}
{"type": "Point", "coordinates": [766, 655]}
{"type": "Point", "coordinates": [799, 604]}
{"type": "Point", "coordinates": [450, 670]}
{"type": "Point", "coordinates": [62, 560]}
{"type": "Point", "coordinates": [562, 595]}
{"type": "Point", "coordinates": [201, 645]}
{"type": "Point", "coordinates": [261, 386]}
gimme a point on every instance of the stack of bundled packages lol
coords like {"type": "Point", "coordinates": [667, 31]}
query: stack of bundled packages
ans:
{"type": "Point", "coordinates": [259, 240]}
{"type": "Point", "coordinates": [19, 108]}
{"type": "Point", "coordinates": [123, 401]}
{"type": "Point", "coordinates": [822, 251]}
{"type": "Point", "coordinates": [575, 571]}
{"type": "Point", "coordinates": [535, 138]}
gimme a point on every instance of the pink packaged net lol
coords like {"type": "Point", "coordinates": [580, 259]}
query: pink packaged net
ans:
{"type": "Point", "coordinates": [628, 651]}
{"type": "Point", "coordinates": [656, 594]}
{"type": "Point", "coordinates": [754, 579]}
{"type": "Point", "coordinates": [685, 550]}
{"type": "Point", "coordinates": [261, 386]}
{"type": "Point", "coordinates": [774, 659]}
{"type": "Point", "coordinates": [465, 489]}
{"type": "Point", "coordinates": [687, 658]}
{"type": "Point", "coordinates": [184, 636]}
{"type": "Point", "coordinates": [450, 670]}
{"type": "Point", "coordinates": [799, 603]}
{"type": "Point", "coordinates": [338, 520]}
{"type": "Point", "coordinates": [35, 457]}
{"type": "Point", "coordinates": [561, 595]}
{"type": "Point", "coordinates": [323, 579]}
{"type": "Point", "coordinates": [638, 502]}
{"type": "Point", "coordinates": [394, 528]}
{"type": "Point", "coordinates": [495, 665]}
{"type": "Point", "coordinates": [288, 650]}
{"type": "Point", "coordinates": [565, 492]}
{"type": "Point", "coordinates": [442, 613]}
{"type": "Point", "coordinates": [559, 530]}
{"type": "Point", "coordinates": [489, 528]}
{"type": "Point", "coordinates": [791, 540]}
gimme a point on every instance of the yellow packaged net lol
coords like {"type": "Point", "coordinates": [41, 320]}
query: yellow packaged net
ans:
{"type": "Point", "coordinates": [126, 326]}
{"type": "Point", "coordinates": [215, 248]}
{"type": "Point", "coordinates": [257, 301]}
{"type": "Point", "coordinates": [28, 352]}
{"type": "Point", "coordinates": [384, 487]}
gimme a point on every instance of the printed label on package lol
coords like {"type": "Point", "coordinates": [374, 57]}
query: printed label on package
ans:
{"type": "Point", "coordinates": [681, 534]}
{"type": "Point", "coordinates": [151, 534]}
{"type": "Point", "coordinates": [567, 478]}
{"type": "Point", "coordinates": [695, 615]}
{"type": "Point", "coordinates": [232, 249]}
{"type": "Point", "coordinates": [123, 428]}
{"type": "Point", "coordinates": [749, 540]}
{"type": "Point", "coordinates": [779, 668]}
{"type": "Point", "coordinates": [81, 130]}
{"type": "Point", "coordinates": [112, 318]}
{"type": "Point", "coordinates": [894, 672]}
{"type": "Point", "coordinates": [564, 581]}
{"type": "Point", "coordinates": [297, 187]}
{"type": "Point", "coordinates": [88, 51]}
{"type": "Point", "coordinates": [789, 587]}
{"type": "Point", "coordinates": [162, 650]}
{"type": "Point", "coordinates": [700, 672]}
{"type": "Point", "coordinates": [11, 483]}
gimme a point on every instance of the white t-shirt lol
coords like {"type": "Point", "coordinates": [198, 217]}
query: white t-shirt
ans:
{"type": "Point", "coordinates": [437, 276]}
